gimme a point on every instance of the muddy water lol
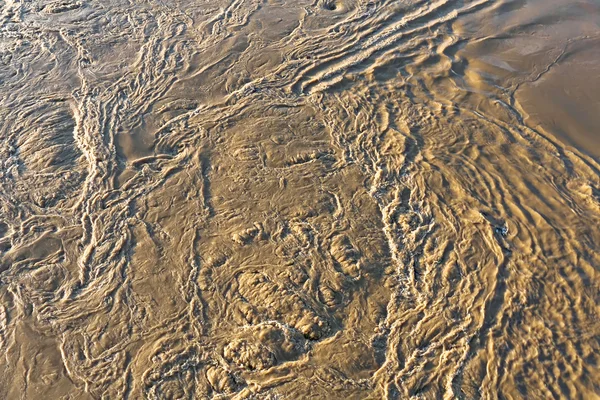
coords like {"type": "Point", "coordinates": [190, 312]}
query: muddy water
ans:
{"type": "Point", "coordinates": [304, 199]}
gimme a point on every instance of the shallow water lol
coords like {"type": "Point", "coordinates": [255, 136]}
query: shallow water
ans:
{"type": "Point", "coordinates": [307, 199]}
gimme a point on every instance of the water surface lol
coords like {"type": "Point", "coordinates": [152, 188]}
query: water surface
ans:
{"type": "Point", "coordinates": [256, 199]}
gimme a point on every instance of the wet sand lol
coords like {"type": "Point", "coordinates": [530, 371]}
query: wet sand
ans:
{"type": "Point", "coordinates": [313, 199]}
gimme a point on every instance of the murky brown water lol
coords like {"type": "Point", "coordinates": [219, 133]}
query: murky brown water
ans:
{"type": "Point", "coordinates": [305, 199]}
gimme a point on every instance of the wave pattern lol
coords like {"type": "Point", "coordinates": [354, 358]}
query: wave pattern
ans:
{"type": "Point", "coordinates": [262, 199]}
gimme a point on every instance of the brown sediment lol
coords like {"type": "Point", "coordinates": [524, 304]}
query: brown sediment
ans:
{"type": "Point", "coordinates": [313, 199]}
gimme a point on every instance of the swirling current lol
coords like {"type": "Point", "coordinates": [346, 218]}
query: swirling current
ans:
{"type": "Point", "coordinates": [309, 199]}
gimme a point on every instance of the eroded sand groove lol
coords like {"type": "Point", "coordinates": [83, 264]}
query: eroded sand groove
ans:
{"type": "Point", "coordinates": [270, 199]}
